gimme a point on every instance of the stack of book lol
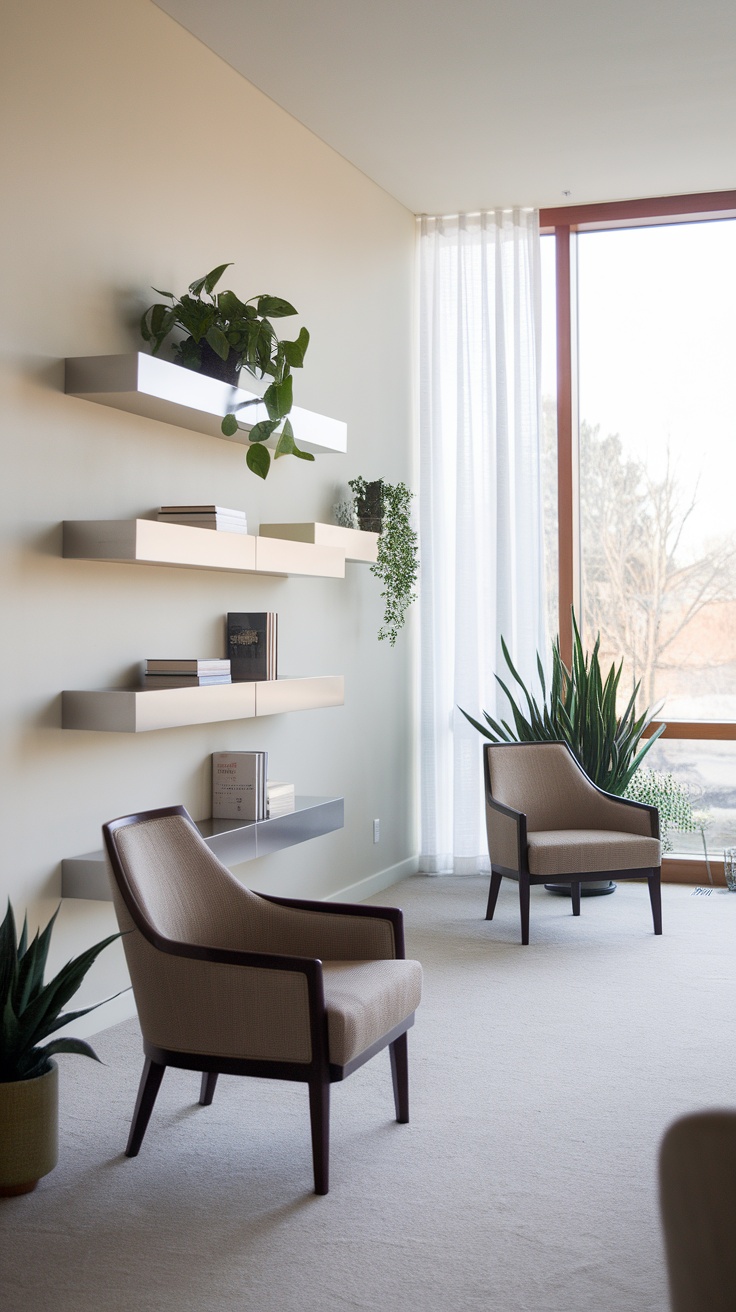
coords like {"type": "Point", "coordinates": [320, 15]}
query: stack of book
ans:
{"type": "Point", "coordinates": [216, 517]}
{"type": "Point", "coordinates": [252, 645]}
{"type": "Point", "coordinates": [280, 800]}
{"type": "Point", "coordinates": [239, 785]}
{"type": "Point", "coordinates": [185, 673]}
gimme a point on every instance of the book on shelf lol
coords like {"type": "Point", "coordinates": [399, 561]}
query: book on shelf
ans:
{"type": "Point", "coordinates": [239, 785]}
{"type": "Point", "coordinates": [280, 799]}
{"type": "Point", "coordinates": [189, 665]}
{"type": "Point", "coordinates": [252, 645]}
{"type": "Point", "coordinates": [184, 680]}
{"type": "Point", "coordinates": [212, 517]}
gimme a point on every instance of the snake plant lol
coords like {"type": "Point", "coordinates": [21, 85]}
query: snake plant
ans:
{"type": "Point", "coordinates": [581, 710]}
{"type": "Point", "coordinates": [31, 1010]}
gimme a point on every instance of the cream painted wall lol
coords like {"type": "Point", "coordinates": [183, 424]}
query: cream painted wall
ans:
{"type": "Point", "coordinates": [132, 155]}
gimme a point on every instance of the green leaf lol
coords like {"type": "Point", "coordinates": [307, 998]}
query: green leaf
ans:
{"type": "Point", "coordinates": [294, 352]}
{"type": "Point", "coordinates": [70, 1045]}
{"type": "Point", "coordinates": [218, 341]}
{"type": "Point", "coordinates": [274, 307]}
{"type": "Point", "coordinates": [258, 460]}
{"type": "Point", "coordinates": [158, 292]}
{"type": "Point", "coordinates": [214, 277]}
{"type": "Point", "coordinates": [261, 431]}
{"type": "Point", "coordinates": [231, 306]}
{"type": "Point", "coordinates": [278, 399]}
{"type": "Point", "coordinates": [285, 445]}
{"type": "Point", "coordinates": [229, 426]}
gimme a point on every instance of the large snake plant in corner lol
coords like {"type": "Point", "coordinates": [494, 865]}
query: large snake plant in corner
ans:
{"type": "Point", "coordinates": [581, 711]}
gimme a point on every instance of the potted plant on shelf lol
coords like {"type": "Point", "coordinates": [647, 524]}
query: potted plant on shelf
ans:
{"type": "Point", "coordinates": [384, 508]}
{"type": "Point", "coordinates": [580, 710]}
{"type": "Point", "coordinates": [223, 335]}
{"type": "Point", "coordinates": [29, 1011]}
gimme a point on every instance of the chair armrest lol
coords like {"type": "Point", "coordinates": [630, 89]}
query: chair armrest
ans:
{"type": "Point", "coordinates": [506, 830]}
{"type": "Point", "coordinates": [227, 1003]}
{"type": "Point", "coordinates": [613, 812]}
{"type": "Point", "coordinates": [342, 931]}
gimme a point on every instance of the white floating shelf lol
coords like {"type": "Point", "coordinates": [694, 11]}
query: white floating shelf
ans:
{"type": "Point", "coordinates": [153, 542]}
{"type": "Point", "coordinates": [231, 840]}
{"type": "Point", "coordinates": [123, 710]}
{"type": "Point", "coordinates": [146, 385]}
{"type": "Point", "coordinates": [353, 542]}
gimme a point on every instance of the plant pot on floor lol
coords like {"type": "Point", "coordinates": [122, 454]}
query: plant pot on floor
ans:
{"type": "Point", "coordinates": [29, 1131]}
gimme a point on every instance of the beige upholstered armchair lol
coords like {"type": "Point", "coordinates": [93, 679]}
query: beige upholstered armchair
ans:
{"type": "Point", "coordinates": [229, 981]}
{"type": "Point", "coordinates": [547, 821]}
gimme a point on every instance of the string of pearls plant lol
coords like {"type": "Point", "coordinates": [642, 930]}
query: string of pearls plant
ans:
{"type": "Point", "coordinates": [397, 565]}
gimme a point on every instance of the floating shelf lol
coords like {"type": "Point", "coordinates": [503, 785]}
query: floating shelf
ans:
{"type": "Point", "coordinates": [145, 385]}
{"type": "Point", "coordinates": [153, 542]}
{"type": "Point", "coordinates": [123, 710]}
{"type": "Point", "coordinates": [353, 542]}
{"type": "Point", "coordinates": [230, 840]}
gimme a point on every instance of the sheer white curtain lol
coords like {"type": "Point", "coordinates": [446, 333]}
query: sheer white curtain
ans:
{"type": "Point", "coordinates": [480, 504]}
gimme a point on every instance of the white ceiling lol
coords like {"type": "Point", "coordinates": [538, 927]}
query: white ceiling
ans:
{"type": "Point", "coordinates": [478, 103]}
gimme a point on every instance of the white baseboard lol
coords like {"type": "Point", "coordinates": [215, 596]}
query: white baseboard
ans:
{"type": "Point", "coordinates": [376, 883]}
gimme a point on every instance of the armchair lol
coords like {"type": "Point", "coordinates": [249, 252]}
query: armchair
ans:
{"type": "Point", "coordinates": [547, 821]}
{"type": "Point", "coordinates": [227, 981]}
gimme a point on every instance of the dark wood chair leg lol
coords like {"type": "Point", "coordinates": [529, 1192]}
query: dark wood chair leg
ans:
{"type": "Point", "coordinates": [400, 1075]}
{"type": "Point", "coordinates": [319, 1112]}
{"type": "Point", "coordinates": [207, 1091]}
{"type": "Point", "coordinates": [575, 894]}
{"type": "Point", "coordinates": [524, 907]}
{"type": "Point", "coordinates": [148, 1088]}
{"type": "Point", "coordinates": [655, 897]}
{"type": "Point", "coordinates": [493, 894]}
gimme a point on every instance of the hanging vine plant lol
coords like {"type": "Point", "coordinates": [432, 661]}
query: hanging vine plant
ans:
{"type": "Point", "coordinates": [222, 336]}
{"type": "Point", "coordinates": [386, 507]}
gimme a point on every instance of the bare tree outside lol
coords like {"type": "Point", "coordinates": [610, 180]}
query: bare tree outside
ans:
{"type": "Point", "coordinates": [642, 589]}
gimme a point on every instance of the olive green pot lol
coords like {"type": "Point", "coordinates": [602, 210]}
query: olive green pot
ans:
{"type": "Point", "coordinates": [29, 1131]}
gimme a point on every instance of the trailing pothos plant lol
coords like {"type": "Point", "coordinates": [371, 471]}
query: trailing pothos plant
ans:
{"type": "Point", "coordinates": [31, 1010]}
{"type": "Point", "coordinates": [223, 335]}
{"type": "Point", "coordinates": [580, 710]}
{"type": "Point", "coordinates": [397, 565]}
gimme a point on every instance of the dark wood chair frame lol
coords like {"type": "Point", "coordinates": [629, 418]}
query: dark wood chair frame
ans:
{"type": "Point", "coordinates": [320, 1072]}
{"type": "Point", "coordinates": [526, 880]}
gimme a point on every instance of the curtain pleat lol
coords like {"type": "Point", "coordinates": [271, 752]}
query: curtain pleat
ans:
{"type": "Point", "coordinates": [482, 574]}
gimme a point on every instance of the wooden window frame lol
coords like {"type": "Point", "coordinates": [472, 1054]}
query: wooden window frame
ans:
{"type": "Point", "coordinates": [564, 222]}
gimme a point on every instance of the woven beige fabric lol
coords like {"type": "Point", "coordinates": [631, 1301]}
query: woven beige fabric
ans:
{"type": "Point", "coordinates": [187, 895]}
{"type": "Point", "coordinates": [544, 782]}
{"type": "Point", "coordinates": [697, 1173]}
{"type": "Point", "coordinates": [583, 851]}
{"type": "Point", "coordinates": [366, 1001]}
{"type": "Point", "coordinates": [503, 841]}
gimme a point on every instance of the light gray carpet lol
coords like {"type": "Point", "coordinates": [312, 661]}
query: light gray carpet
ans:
{"type": "Point", "coordinates": [542, 1079]}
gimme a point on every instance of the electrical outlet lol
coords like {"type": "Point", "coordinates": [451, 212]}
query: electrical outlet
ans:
{"type": "Point", "coordinates": [376, 831]}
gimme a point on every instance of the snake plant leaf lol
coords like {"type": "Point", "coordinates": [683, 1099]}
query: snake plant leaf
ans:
{"type": "Point", "coordinates": [578, 708]}
{"type": "Point", "coordinates": [71, 1045]}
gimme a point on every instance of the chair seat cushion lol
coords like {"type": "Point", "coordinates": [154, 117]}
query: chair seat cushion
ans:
{"type": "Point", "coordinates": [589, 851]}
{"type": "Point", "coordinates": [365, 1000]}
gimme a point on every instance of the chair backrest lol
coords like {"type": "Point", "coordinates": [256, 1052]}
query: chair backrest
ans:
{"type": "Point", "coordinates": [544, 781]}
{"type": "Point", "coordinates": [169, 884]}
{"type": "Point", "coordinates": [697, 1190]}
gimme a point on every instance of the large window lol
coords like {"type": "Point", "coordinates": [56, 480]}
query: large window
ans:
{"type": "Point", "coordinates": [641, 411]}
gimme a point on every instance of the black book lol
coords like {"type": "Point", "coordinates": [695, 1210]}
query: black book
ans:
{"type": "Point", "coordinates": [251, 645]}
